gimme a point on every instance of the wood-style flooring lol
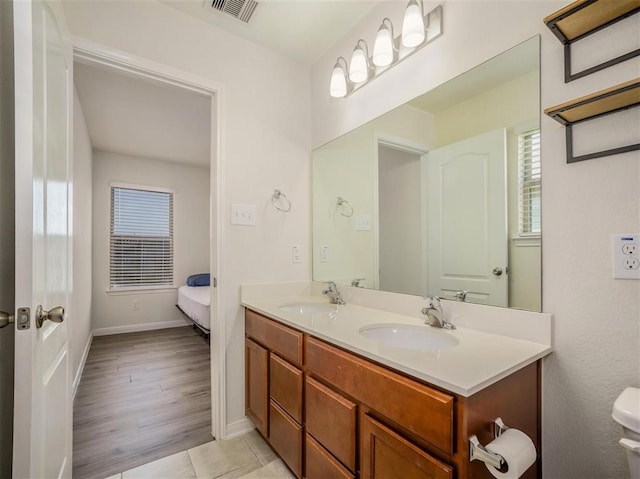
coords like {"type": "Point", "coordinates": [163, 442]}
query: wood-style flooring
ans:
{"type": "Point", "coordinates": [142, 396]}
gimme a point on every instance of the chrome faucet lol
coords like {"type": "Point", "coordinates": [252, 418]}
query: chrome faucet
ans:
{"type": "Point", "coordinates": [460, 295]}
{"type": "Point", "coordinates": [434, 314]}
{"type": "Point", "coordinates": [356, 282]}
{"type": "Point", "coordinates": [332, 293]}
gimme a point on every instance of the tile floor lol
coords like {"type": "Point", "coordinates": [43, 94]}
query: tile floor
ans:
{"type": "Point", "coordinates": [243, 457]}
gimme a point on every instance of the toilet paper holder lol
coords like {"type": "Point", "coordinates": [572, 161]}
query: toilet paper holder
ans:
{"type": "Point", "coordinates": [477, 452]}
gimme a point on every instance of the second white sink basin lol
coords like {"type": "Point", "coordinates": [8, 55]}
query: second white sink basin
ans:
{"type": "Point", "coordinates": [309, 307]}
{"type": "Point", "coordinates": [409, 336]}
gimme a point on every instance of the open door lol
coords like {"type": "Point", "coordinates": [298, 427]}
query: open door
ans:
{"type": "Point", "coordinates": [43, 110]}
{"type": "Point", "coordinates": [467, 218]}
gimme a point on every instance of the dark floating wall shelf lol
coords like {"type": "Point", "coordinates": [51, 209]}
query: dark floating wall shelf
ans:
{"type": "Point", "coordinates": [604, 102]}
{"type": "Point", "coordinates": [584, 17]}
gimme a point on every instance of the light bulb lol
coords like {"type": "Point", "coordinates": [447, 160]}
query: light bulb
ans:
{"type": "Point", "coordinates": [412, 25]}
{"type": "Point", "coordinates": [383, 48]}
{"type": "Point", "coordinates": [358, 69]}
{"type": "Point", "coordinates": [338, 87]}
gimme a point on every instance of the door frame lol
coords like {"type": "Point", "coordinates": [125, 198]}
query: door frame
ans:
{"type": "Point", "coordinates": [409, 146]}
{"type": "Point", "coordinates": [91, 53]}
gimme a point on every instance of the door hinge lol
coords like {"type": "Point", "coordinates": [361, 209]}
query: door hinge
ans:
{"type": "Point", "coordinates": [215, 282]}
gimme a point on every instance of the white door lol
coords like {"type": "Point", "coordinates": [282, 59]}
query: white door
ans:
{"type": "Point", "coordinates": [42, 406]}
{"type": "Point", "coordinates": [467, 219]}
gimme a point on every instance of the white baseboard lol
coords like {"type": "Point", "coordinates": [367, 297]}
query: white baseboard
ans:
{"type": "Point", "coordinates": [78, 376]}
{"type": "Point", "coordinates": [133, 328]}
{"type": "Point", "coordinates": [238, 428]}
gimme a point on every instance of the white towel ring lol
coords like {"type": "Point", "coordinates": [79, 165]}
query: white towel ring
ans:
{"type": "Point", "coordinates": [344, 207]}
{"type": "Point", "coordinates": [278, 199]}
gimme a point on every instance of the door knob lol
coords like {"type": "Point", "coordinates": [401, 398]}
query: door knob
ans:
{"type": "Point", "coordinates": [497, 271]}
{"type": "Point", "coordinates": [6, 319]}
{"type": "Point", "coordinates": [56, 315]}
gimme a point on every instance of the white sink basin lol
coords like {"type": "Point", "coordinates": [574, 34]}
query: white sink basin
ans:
{"type": "Point", "coordinates": [409, 336]}
{"type": "Point", "coordinates": [309, 307]}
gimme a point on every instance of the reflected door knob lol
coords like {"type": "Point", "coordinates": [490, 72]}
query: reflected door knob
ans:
{"type": "Point", "coordinates": [56, 315]}
{"type": "Point", "coordinates": [497, 271]}
{"type": "Point", "coordinates": [6, 319]}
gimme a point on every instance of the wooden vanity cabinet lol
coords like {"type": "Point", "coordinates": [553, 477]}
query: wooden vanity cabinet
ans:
{"type": "Point", "coordinates": [338, 415]}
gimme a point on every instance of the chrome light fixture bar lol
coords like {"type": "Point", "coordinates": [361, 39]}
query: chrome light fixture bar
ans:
{"type": "Point", "coordinates": [418, 30]}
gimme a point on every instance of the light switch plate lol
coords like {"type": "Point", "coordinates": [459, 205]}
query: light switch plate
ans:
{"type": "Point", "coordinates": [243, 215]}
{"type": "Point", "coordinates": [626, 256]}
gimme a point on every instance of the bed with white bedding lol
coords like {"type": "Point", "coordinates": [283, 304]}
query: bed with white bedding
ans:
{"type": "Point", "coordinates": [194, 301]}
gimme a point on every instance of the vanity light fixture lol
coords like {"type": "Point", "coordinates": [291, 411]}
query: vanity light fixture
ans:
{"type": "Point", "coordinates": [339, 87]}
{"type": "Point", "coordinates": [387, 51]}
{"type": "Point", "coordinates": [360, 66]}
{"type": "Point", "coordinates": [413, 32]}
{"type": "Point", "coordinates": [384, 50]}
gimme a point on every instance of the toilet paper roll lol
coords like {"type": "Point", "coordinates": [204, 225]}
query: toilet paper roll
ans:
{"type": "Point", "coordinates": [517, 449]}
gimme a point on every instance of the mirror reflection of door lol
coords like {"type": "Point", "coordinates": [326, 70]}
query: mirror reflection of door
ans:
{"type": "Point", "coordinates": [400, 220]}
{"type": "Point", "coordinates": [466, 206]}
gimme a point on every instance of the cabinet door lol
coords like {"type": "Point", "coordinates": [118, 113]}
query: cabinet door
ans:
{"type": "Point", "coordinates": [387, 455]}
{"type": "Point", "coordinates": [256, 386]}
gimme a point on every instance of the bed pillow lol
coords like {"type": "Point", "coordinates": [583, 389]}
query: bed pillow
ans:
{"type": "Point", "coordinates": [201, 279]}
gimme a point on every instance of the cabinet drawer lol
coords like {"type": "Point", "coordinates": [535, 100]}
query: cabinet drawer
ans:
{"type": "Point", "coordinates": [276, 337]}
{"type": "Point", "coordinates": [285, 435]}
{"type": "Point", "coordinates": [412, 405]}
{"type": "Point", "coordinates": [387, 455]}
{"type": "Point", "coordinates": [285, 386]}
{"type": "Point", "coordinates": [320, 464]}
{"type": "Point", "coordinates": [331, 419]}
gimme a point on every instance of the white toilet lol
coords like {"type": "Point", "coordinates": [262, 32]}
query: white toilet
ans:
{"type": "Point", "coordinates": [626, 412]}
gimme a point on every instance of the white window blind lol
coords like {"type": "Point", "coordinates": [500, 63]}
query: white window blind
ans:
{"type": "Point", "coordinates": [529, 183]}
{"type": "Point", "coordinates": [141, 238]}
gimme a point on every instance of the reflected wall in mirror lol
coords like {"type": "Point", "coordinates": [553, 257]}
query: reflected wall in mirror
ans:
{"type": "Point", "coordinates": [440, 196]}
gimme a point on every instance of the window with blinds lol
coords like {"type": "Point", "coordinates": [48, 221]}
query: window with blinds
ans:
{"type": "Point", "coordinates": [141, 238]}
{"type": "Point", "coordinates": [529, 183]}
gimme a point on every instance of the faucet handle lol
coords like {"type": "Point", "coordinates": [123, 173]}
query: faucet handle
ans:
{"type": "Point", "coordinates": [434, 302]}
{"type": "Point", "coordinates": [331, 285]}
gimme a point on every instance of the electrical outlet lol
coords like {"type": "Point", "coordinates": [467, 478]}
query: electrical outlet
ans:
{"type": "Point", "coordinates": [324, 253]}
{"type": "Point", "coordinates": [626, 256]}
{"type": "Point", "coordinates": [243, 215]}
{"type": "Point", "coordinates": [135, 305]}
{"type": "Point", "coordinates": [295, 254]}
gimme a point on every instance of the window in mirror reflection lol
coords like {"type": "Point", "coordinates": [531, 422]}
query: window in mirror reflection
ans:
{"type": "Point", "coordinates": [529, 182]}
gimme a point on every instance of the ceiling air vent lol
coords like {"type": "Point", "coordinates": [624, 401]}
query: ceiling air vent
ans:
{"type": "Point", "coordinates": [240, 9]}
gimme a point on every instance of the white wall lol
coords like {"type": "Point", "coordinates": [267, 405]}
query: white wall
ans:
{"type": "Point", "coordinates": [190, 235]}
{"type": "Point", "coordinates": [265, 141]}
{"type": "Point", "coordinates": [80, 316]}
{"type": "Point", "coordinates": [7, 242]}
{"type": "Point", "coordinates": [596, 318]}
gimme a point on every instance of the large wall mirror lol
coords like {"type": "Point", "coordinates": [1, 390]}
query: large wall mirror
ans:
{"type": "Point", "coordinates": [440, 196]}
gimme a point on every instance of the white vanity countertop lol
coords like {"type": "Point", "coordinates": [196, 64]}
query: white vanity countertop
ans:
{"type": "Point", "coordinates": [477, 361]}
